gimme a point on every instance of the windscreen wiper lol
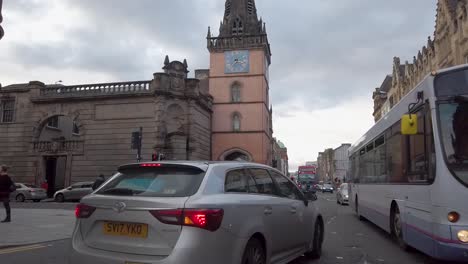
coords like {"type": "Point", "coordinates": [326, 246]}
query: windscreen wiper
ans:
{"type": "Point", "coordinates": [119, 191]}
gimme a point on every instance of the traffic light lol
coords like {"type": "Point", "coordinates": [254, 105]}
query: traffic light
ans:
{"type": "Point", "coordinates": [136, 140]}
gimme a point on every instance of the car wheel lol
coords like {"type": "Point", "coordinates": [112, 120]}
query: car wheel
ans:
{"type": "Point", "coordinates": [316, 251]}
{"type": "Point", "coordinates": [36, 200]}
{"type": "Point", "coordinates": [397, 227]}
{"type": "Point", "coordinates": [20, 198]}
{"type": "Point", "coordinates": [254, 253]}
{"type": "Point", "coordinates": [59, 198]}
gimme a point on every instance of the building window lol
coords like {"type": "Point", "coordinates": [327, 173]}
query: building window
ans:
{"type": "Point", "coordinates": [76, 129]}
{"type": "Point", "coordinates": [236, 122]}
{"type": "Point", "coordinates": [235, 93]}
{"type": "Point", "coordinates": [53, 122]}
{"type": "Point", "coordinates": [8, 110]}
{"type": "Point", "coordinates": [237, 28]}
{"type": "Point", "coordinates": [250, 7]}
{"type": "Point", "coordinates": [228, 8]}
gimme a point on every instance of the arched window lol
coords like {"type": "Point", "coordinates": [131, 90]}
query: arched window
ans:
{"type": "Point", "coordinates": [237, 27]}
{"type": "Point", "coordinates": [235, 93]}
{"type": "Point", "coordinates": [236, 122]}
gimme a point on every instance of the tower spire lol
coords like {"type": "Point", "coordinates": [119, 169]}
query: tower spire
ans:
{"type": "Point", "coordinates": [240, 18]}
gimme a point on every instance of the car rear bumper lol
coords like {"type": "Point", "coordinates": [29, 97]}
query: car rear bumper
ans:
{"type": "Point", "coordinates": [193, 246]}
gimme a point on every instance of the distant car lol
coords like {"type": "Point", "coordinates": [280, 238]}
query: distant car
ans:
{"type": "Point", "coordinates": [74, 192]}
{"type": "Point", "coordinates": [319, 187]}
{"type": "Point", "coordinates": [342, 194]}
{"type": "Point", "coordinates": [26, 191]}
{"type": "Point", "coordinates": [196, 212]}
{"type": "Point", "coordinates": [327, 188]}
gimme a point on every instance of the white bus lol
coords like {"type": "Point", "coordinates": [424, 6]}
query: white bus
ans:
{"type": "Point", "coordinates": [414, 184]}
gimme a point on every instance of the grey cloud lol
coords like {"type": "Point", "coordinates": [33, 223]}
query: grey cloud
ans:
{"type": "Point", "coordinates": [324, 52]}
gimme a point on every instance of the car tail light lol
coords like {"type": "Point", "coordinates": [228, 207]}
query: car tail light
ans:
{"type": "Point", "coordinates": [151, 165]}
{"type": "Point", "coordinates": [209, 219]}
{"type": "Point", "coordinates": [84, 211]}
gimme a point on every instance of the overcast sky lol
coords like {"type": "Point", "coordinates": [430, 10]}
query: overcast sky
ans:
{"type": "Point", "coordinates": [328, 56]}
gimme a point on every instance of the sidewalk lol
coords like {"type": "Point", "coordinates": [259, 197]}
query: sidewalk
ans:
{"type": "Point", "coordinates": [30, 226]}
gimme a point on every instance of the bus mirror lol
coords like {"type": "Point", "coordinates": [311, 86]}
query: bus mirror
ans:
{"type": "Point", "coordinates": [409, 125]}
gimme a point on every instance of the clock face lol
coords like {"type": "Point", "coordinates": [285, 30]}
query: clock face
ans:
{"type": "Point", "coordinates": [236, 61]}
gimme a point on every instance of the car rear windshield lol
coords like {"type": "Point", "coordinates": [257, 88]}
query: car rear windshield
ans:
{"type": "Point", "coordinates": [155, 182]}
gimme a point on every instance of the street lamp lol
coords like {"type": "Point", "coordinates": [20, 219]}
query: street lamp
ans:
{"type": "Point", "coordinates": [1, 19]}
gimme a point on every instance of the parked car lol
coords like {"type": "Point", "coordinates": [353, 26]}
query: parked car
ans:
{"type": "Point", "coordinates": [26, 191]}
{"type": "Point", "coordinates": [197, 212]}
{"type": "Point", "coordinates": [327, 188]}
{"type": "Point", "coordinates": [74, 192]}
{"type": "Point", "coordinates": [342, 194]}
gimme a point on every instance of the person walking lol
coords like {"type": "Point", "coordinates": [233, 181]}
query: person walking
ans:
{"type": "Point", "coordinates": [6, 187]}
{"type": "Point", "coordinates": [98, 182]}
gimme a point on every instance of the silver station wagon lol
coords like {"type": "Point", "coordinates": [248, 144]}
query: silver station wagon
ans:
{"type": "Point", "coordinates": [197, 212]}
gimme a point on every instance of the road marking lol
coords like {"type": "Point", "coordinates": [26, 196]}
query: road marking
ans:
{"type": "Point", "coordinates": [331, 220]}
{"type": "Point", "coordinates": [19, 249]}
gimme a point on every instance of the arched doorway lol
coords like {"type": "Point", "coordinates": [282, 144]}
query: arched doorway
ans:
{"type": "Point", "coordinates": [55, 139]}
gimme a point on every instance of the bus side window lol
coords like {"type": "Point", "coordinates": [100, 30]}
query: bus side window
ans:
{"type": "Point", "coordinates": [394, 155]}
{"type": "Point", "coordinates": [416, 152]}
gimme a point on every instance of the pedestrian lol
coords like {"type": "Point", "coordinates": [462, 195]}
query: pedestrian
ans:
{"type": "Point", "coordinates": [98, 182]}
{"type": "Point", "coordinates": [45, 185]}
{"type": "Point", "coordinates": [6, 187]}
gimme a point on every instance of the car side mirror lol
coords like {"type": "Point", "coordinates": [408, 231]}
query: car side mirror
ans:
{"type": "Point", "coordinates": [70, 188]}
{"type": "Point", "coordinates": [311, 196]}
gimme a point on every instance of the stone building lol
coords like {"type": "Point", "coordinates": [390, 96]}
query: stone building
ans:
{"type": "Point", "coordinates": [238, 81]}
{"type": "Point", "coordinates": [340, 163]}
{"type": "Point", "coordinates": [73, 133]}
{"type": "Point", "coordinates": [280, 157]}
{"type": "Point", "coordinates": [448, 47]}
{"type": "Point", "coordinates": [325, 165]}
{"type": "Point", "coordinates": [333, 164]}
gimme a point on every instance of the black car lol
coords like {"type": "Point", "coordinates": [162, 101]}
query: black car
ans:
{"type": "Point", "coordinates": [327, 188]}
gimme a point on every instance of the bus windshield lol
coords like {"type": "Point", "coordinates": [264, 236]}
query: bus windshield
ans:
{"type": "Point", "coordinates": [453, 117]}
{"type": "Point", "coordinates": [306, 177]}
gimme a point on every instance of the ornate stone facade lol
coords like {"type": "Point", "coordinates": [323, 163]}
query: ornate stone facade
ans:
{"type": "Point", "coordinates": [73, 133]}
{"type": "Point", "coordinates": [449, 47]}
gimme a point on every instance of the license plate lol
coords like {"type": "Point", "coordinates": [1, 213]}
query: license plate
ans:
{"type": "Point", "coordinates": [125, 229]}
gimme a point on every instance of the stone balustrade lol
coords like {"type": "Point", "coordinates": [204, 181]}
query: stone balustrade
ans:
{"type": "Point", "coordinates": [119, 88]}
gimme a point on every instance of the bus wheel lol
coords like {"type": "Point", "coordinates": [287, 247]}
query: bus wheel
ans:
{"type": "Point", "coordinates": [397, 227]}
{"type": "Point", "coordinates": [361, 218]}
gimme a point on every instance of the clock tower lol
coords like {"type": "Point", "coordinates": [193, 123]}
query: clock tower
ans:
{"type": "Point", "coordinates": [238, 81]}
